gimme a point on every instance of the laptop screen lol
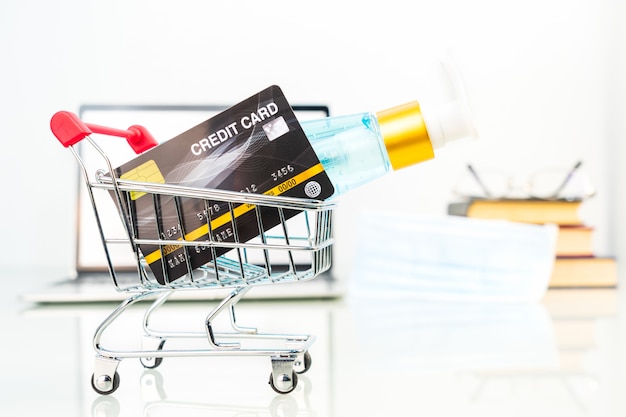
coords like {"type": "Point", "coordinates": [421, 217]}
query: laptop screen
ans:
{"type": "Point", "coordinates": [163, 122]}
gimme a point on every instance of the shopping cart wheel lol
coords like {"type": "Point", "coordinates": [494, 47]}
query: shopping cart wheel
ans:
{"type": "Point", "coordinates": [151, 363]}
{"type": "Point", "coordinates": [104, 384]}
{"type": "Point", "coordinates": [302, 363]}
{"type": "Point", "coordinates": [284, 384]}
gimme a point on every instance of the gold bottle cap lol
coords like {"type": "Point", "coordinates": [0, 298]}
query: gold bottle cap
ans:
{"type": "Point", "coordinates": [404, 132]}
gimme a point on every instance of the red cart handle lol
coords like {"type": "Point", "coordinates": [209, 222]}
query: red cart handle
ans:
{"type": "Point", "coordinates": [69, 130]}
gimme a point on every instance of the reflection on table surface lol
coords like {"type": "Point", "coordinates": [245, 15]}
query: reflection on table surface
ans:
{"type": "Point", "coordinates": [371, 357]}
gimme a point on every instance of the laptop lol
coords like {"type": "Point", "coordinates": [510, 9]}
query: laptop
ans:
{"type": "Point", "coordinates": [91, 280]}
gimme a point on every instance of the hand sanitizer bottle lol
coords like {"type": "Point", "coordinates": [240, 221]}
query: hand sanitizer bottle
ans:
{"type": "Point", "coordinates": [359, 148]}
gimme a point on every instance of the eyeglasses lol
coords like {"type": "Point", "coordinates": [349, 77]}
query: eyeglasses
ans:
{"type": "Point", "coordinates": [546, 184]}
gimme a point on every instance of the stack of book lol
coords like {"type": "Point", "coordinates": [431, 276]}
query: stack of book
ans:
{"type": "Point", "coordinates": [576, 265]}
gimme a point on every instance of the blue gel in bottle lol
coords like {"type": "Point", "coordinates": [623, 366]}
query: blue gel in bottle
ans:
{"type": "Point", "coordinates": [360, 148]}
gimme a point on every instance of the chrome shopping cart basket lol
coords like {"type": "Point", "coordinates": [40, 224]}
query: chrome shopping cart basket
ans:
{"type": "Point", "coordinates": [285, 253]}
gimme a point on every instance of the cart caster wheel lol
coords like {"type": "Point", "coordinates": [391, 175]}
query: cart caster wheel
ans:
{"type": "Point", "coordinates": [303, 363]}
{"type": "Point", "coordinates": [104, 385]}
{"type": "Point", "coordinates": [151, 363]}
{"type": "Point", "coordinates": [284, 384]}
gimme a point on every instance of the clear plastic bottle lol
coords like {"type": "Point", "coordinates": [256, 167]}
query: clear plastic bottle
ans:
{"type": "Point", "coordinates": [359, 148]}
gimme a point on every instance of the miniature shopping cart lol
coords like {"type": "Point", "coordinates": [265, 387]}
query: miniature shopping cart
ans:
{"type": "Point", "coordinates": [285, 253]}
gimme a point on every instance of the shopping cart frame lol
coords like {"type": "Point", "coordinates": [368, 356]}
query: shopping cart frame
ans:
{"type": "Point", "coordinates": [231, 271]}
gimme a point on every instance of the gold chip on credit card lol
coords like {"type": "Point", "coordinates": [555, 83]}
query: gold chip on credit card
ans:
{"type": "Point", "coordinates": [146, 172]}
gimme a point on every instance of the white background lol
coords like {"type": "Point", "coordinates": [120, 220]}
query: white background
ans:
{"type": "Point", "coordinates": [545, 80]}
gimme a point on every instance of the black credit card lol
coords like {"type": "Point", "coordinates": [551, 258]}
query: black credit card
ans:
{"type": "Point", "coordinates": [256, 146]}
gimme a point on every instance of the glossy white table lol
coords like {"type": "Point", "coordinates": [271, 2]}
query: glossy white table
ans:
{"type": "Point", "coordinates": [562, 357]}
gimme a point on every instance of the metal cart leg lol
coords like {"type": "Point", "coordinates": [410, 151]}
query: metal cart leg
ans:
{"type": "Point", "coordinates": [105, 379]}
{"type": "Point", "coordinates": [153, 341]}
{"type": "Point", "coordinates": [113, 316]}
{"type": "Point", "coordinates": [229, 302]}
{"type": "Point", "coordinates": [233, 319]}
{"type": "Point", "coordinates": [155, 305]}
